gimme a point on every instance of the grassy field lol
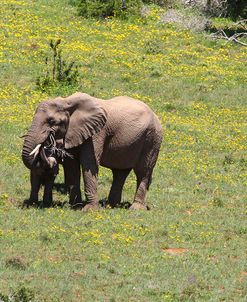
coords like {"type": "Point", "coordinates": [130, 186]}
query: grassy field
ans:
{"type": "Point", "coordinates": [192, 245]}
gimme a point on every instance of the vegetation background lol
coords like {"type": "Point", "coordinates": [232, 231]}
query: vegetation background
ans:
{"type": "Point", "coordinates": [192, 245]}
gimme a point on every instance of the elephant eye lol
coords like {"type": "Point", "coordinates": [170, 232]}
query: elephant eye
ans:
{"type": "Point", "coordinates": [51, 121]}
{"type": "Point", "coordinates": [60, 122]}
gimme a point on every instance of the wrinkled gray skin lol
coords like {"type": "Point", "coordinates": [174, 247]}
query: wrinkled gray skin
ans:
{"type": "Point", "coordinates": [121, 134]}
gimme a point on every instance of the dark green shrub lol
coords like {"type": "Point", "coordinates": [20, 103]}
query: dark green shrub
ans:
{"type": "Point", "coordinates": [163, 3]}
{"type": "Point", "coordinates": [57, 69]}
{"type": "Point", "coordinates": [109, 8]}
{"type": "Point", "coordinates": [237, 8]}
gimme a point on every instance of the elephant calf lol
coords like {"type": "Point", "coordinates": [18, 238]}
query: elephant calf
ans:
{"type": "Point", "coordinates": [44, 168]}
{"type": "Point", "coordinates": [121, 134]}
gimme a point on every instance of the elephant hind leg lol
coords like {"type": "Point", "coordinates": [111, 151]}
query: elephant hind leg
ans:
{"type": "Point", "coordinates": [144, 171]}
{"type": "Point", "coordinates": [143, 183]}
{"type": "Point", "coordinates": [119, 177]}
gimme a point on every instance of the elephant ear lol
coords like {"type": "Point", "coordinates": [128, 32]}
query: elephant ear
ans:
{"type": "Point", "coordinates": [86, 118]}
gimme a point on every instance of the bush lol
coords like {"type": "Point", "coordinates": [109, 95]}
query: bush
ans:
{"type": "Point", "coordinates": [210, 7]}
{"type": "Point", "coordinates": [57, 69]}
{"type": "Point", "coordinates": [103, 8]}
{"type": "Point", "coordinates": [116, 8]}
{"type": "Point", "coordinates": [192, 21]}
{"type": "Point", "coordinates": [231, 8]}
{"type": "Point", "coordinates": [237, 8]}
{"type": "Point", "coordinates": [162, 3]}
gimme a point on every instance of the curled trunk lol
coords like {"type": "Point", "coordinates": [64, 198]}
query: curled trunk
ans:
{"type": "Point", "coordinates": [32, 139]}
{"type": "Point", "coordinates": [28, 146]}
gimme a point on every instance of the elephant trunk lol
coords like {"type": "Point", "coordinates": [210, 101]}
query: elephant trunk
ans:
{"type": "Point", "coordinates": [32, 144]}
{"type": "Point", "coordinates": [28, 146]}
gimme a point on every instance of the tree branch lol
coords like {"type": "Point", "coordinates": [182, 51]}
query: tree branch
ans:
{"type": "Point", "coordinates": [234, 38]}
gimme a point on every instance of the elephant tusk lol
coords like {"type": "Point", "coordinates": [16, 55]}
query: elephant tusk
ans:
{"type": "Point", "coordinates": [43, 156]}
{"type": "Point", "coordinates": [35, 150]}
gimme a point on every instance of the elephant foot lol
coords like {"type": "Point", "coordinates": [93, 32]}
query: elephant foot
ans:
{"type": "Point", "coordinates": [76, 206]}
{"type": "Point", "coordinates": [113, 204]}
{"type": "Point", "coordinates": [46, 203]}
{"type": "Point", "coordinates": [91, 207]}
{"type": "Point", "coordinates": [138, 206]}
{"type": "Point", "coordinates": [30, 203]}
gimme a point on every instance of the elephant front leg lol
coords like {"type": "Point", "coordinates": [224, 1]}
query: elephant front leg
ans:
{"type": "Point", "coordinates": [75, 200]}
{"type": "Point", "coordinates": [35, 181]}
{"type": "Point", "coordinates": [90, 174]}
{"type": "Point", "coordinates": [90, 188]}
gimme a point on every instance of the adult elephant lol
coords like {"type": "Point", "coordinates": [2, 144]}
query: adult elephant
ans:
{"type": "Point", "coordinates": [121, 134]}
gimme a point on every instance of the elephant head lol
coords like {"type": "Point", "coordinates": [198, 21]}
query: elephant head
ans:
{"type": "Point", "coordinates": [73, 119]}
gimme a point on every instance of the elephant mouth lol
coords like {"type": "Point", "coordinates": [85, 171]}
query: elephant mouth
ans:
{"type": "Point", "coordinates": [49, 152]}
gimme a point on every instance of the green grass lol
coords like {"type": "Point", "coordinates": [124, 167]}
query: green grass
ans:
{"type": "Point", "coordinates": [198, 199]}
